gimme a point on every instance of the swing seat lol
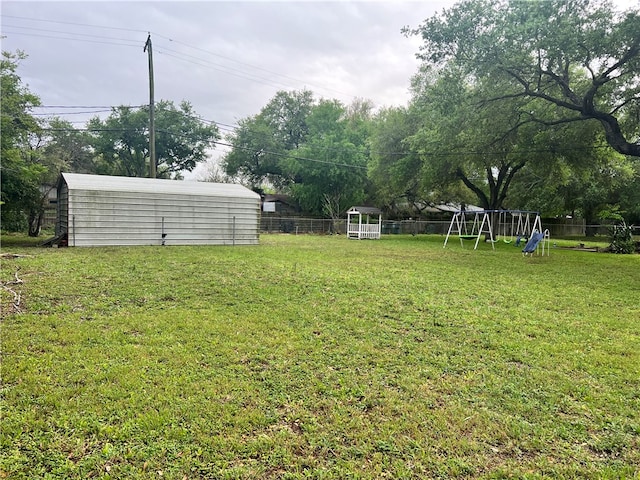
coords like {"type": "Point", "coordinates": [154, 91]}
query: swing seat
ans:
{"type": "Point", "coordinates": [468, 237]}
{"type": "Point", "coordinates": [506, 241]}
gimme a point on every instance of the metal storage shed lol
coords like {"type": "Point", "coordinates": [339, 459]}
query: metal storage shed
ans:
{"type": "Point", "coordinates": [98, 210]}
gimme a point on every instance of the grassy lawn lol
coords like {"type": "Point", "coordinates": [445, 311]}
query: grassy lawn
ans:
{"type": "Point", "coordinates": [320, 357]}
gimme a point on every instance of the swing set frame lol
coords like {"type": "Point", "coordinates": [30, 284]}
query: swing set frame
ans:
{"type": "Point", "coordinates": [521, 225]}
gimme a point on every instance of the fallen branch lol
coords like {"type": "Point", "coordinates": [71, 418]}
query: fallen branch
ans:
{"type": "Point", "coordinates": [16, 299]}
{"type": "Point", "coordinates": [17, 281]}
{"type": "Point", "coordinates": [16, 295]}
{"type": "Point", "coordinates": [14, 255]}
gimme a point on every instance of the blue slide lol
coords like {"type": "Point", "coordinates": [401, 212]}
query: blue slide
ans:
{"type": "Point", "coordinates": [533, 242]}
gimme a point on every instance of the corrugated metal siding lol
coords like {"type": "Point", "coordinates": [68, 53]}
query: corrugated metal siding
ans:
{"type": "Point", "coordinates": [191, 214]}
{"type": "Point", "coordinates": [101, 183]}
{"type": "Point", "coordinates": [62, 209]}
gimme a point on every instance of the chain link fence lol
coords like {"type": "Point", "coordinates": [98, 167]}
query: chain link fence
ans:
{"type": "Point", "coordinates": [300, 225]}
{"type": "Point", "coordinates": [319, 226]}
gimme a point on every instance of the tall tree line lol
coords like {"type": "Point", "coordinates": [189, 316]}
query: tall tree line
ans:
{"type": "Point", "coordinates": [528, 105]}
{"type": "Point", "coordinates": [516, 105]}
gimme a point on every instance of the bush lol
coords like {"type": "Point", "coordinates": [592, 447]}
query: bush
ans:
{"type": "Point", "coordinates": [621, 236]}
{"type": "Point", "coordinates": [13, 220]}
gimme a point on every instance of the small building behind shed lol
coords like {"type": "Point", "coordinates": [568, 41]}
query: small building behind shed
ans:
{"type": "Point", "coordinates": [95, 210]}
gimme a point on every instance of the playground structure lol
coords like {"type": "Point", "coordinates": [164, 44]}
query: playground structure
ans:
{"type": "Point", "coordinates": [366, 225]}
{"type": "Point", "coordinates": [536, 239]}
{"type": "Point", "coordinates": [514, 226]}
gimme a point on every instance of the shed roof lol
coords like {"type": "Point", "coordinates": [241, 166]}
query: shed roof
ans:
{"type": "Point", "coordinates": [80, 181]}
{"type": "Point", "coordinates": [365, 210]}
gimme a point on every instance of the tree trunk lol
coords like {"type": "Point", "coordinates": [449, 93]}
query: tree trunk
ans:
{"type": "Point", "coordinates": [35, 222]}
{"type": "Point", "coordinates": [590, 229]}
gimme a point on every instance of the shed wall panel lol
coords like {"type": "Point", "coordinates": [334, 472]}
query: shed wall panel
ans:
{"type": "Point", "coordinates": [94, 218]}
{"type": "Point", "coordinates": [62, 209]}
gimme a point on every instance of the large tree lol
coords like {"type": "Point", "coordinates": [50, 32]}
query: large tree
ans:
{"type": "Point", "coordinates": [582, 183]}
{"type": "Point", "coordinates": [21, 173]}
{"type": "Point", "coordinates": [484, 146]}
{"type": "Point", "coordinates": [121, 141]}
{"type": "Point", "coordinates": [261, 142]}
{"type": "Point", "coordinates": [316, 151]}
{"type": "Point", "coordinates": [329, 170]}
{"type": "Point", "coordinates": [394, 168]}
{"type": "Point", "coordinates": [579, 57]}
{"type": "Point", "coordinates": [57, 147]}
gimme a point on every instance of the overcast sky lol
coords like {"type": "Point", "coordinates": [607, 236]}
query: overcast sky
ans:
{"type": "Point", "coordinates": [227, 58]}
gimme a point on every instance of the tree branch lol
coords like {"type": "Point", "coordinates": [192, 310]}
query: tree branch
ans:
{"type": "Point", "coordinates": [538, 94]}
{"type": "Point", "coordinates": [471, 186]}
{"type": "Point", "coordinates": [508, 179]}
{"type": "Point", "coordinates": [552, 123]}
{"type": "Point", "coordinates": [623, 104]}
{"type": "Point", "coordinates": [16, 295]}
{"type": "Point", "coordinates": [604, 77]}
{"type": "Point", "coordinates": [563, 83]}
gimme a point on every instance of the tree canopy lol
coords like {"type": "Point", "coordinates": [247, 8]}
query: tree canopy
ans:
{"type": "Point", "coordinates": [21, 174]}
{"type": "Point", "coordinates": [330, 168]}
{"type": "Point", "coordinates": [121, 141]}
{"type": "Point", "coordinates": [261, 142]}
{"type": "Point", "coordinates": [484, 146]}
{"type": "Point", "coordinates": [315, 150]}
{"type": "Point", "coordinates": [580, 57]}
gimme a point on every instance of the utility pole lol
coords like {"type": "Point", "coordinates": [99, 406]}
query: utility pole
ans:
{"type": "Point", "coordinates": [152, 108]}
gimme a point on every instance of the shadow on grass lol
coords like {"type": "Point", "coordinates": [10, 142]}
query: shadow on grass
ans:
{"type": "Point", "coordinates": [22, 240]}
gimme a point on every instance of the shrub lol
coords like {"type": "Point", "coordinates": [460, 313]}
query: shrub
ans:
{"type": "Point", "coordinates": [621, 236]}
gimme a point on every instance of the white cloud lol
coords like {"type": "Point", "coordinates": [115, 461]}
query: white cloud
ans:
{"type": "Point", "coordinates": [227, 58]}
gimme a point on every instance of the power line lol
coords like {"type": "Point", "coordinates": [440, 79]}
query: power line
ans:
{"type": "Point", "coordinates": [207, 64]}
{"type": "Point", "coordinates": [133, 43]}
{"type": "Point", "coordinates": [208, 52]}
{"type": "Point", "coordinates": [225, 124]}
{"type": "Point", "coordinates": [295, 157]}
{"type": "Point", "coordinates": [69, 33]}
{"type": "Point", "coordinates": [162, 51]}
{"type": "Point", "coordinates": [200, 119]}
{"type": "Point", "coordinates": [69, 113]}
{"type": "Point", "coordinates": [110, 108]}
{"type": "Point", "coordinates": [76, 122]}
{"type": "Point", "coordinates": [73, 39]}
{"type": "Point", "coordinates": [84, 130]}
{"type": "Point", "coordinates": [89, 106]}
{"type": "Point", "coordinates": [74, 23]}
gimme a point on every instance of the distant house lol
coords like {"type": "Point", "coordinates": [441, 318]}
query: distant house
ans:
{"type": "Point", "coordinates": [49, 202]}
{"type": "Point", "coordinates": [97, 210]}
{"type": "Point", "coordinates": [282, 205]}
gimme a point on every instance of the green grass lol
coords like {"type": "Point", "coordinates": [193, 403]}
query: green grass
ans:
{"type": "Point", "coordinates": [320, 357]}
